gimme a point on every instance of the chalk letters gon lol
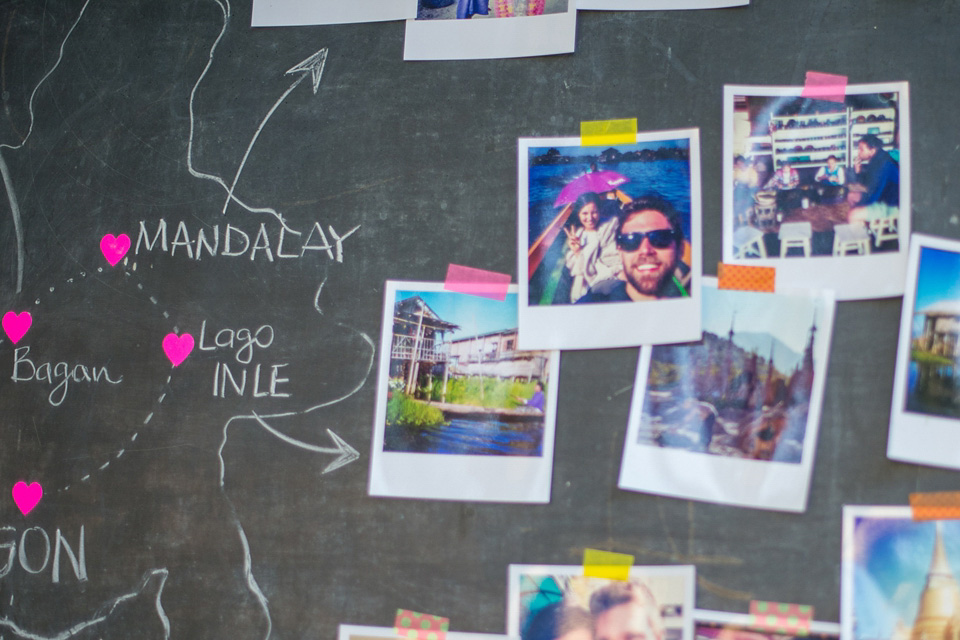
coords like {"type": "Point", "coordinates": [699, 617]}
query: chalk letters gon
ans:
{"type": "Point", "coordinates": [279, 242]}
{"type": "Point", "coordinates": [31, 552]}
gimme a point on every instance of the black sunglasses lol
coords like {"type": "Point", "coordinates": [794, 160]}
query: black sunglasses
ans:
{"type": "Point", "coordinates": [659, 239]}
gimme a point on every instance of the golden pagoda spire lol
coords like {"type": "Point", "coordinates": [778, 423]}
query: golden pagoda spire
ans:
{"type": "Point", "coordinates": [940, 599]}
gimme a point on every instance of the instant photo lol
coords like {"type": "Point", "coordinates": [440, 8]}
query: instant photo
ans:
{"type": "Point", "coordinates": [899, 576]}
{"type": "Point", "coordinates": [721, 625]}
{"type": "Point", "coordinates": [357, 632]}
{"type": "Point", "coordinates": [654, 602]}
{"type": "Point", "coordinates": [474, 29]}
{"type": "Point", "coordinates": [648, 5]}
{"type": "Point", "coordinates": [609, 241]}
{"type": "Point", "coordinates": [819, 187]}
{"type": "Point", "coordinates": [462, 413]}
{"type": "Point", "coordinates": [925, 411]}
{"type": "Point", "coordinates": [733, 418]}
{"type": "Point", "coordinates": [283, 13]}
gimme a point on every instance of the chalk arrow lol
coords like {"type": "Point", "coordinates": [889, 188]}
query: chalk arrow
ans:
{"type": "Point", "coordinates": [312, 66]}
{"type": "Point", "coordinates": [347, 454]}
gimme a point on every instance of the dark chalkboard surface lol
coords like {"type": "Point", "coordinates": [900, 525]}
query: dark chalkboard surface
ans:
{"type": "Point", "coordinates": [176, 505]}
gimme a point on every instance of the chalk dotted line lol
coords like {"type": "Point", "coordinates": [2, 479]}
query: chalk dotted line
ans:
{"type": "Point", "coordinates": [129, 277]}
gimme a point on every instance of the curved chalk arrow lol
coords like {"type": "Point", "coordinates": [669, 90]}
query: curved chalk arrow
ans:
{"type": "Point", "coordinates": [312, 66]}
{"type": "Point", "coordinates": [347, 453]}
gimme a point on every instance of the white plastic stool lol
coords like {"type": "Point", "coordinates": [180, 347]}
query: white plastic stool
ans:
{"type": "Point", "coordinates": [850, 237]}
{"type": "Point", "coordinates": [746, 240]}
{"type": "Point", "coordinates": [795, 235]}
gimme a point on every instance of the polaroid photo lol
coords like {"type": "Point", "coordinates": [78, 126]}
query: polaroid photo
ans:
{"type": "Point", "coordinates": [733, 418]}
{"type": "Point", "coordinates": [357, 632]}
{"type": "Point", "coordinates": [925, 410]}
{"type": "Point", "coordinates": [720, 625]}
{"type": "Point", "coordinates": [898, 576]}
{"type": "Point", "coordinates": [609, 241]}
{"type": "Point", "coordinates": [291, 13]}
{"type": "Point", "coordinates": [656, 602]}
{"type": "Point", "coordinates": [646, 5]}
{"type": "Point", "coordinates": [462, 414]}
{"type": "Point", "coordinates": [819, 189]}
{"type": "Point", "coordinates": [481, 29]}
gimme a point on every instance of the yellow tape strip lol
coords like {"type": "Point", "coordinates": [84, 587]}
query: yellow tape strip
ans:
{"type": "Point", "coordinates": [594, 133]}
{"type": "Point", "coordinates": [606, 564]}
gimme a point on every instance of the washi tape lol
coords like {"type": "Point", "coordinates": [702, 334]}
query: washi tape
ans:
{"type": "Point", "coordinates": [940, 505]}
{"type": "Point", "coordinates": [606, 564]}
{"type": "Point", "coordinates": [781, 617]}
{"type": "Point", "coordinates": [746, 278]}
{"type": "Point", "coordinates": [420, 626]}
{"type": "Point", "coordinates": [594, 133]}
{"type": "Point", "coordinates": [477, 282]}
{"type": "Point", "coordinates": [825, 86]}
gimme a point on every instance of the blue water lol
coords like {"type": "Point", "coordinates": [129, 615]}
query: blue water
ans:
{"type": "Point", "coordinates": [668, 178]}
{"type": "Point", "coordinates": [469, 437]}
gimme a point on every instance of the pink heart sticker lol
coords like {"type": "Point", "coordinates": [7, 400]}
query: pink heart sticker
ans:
{"type": "Point", "coordinates": [27, 496]}
{"type": "Point", "coordinates": [114, 247]}
{"type": "Point", "coordinates": [15, 325]}
{"type": "Point", "coordinates": [177, 347]}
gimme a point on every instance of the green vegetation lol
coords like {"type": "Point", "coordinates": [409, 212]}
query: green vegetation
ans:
{"type": "Point", "coordinates": [925, 357]}
{"type": "Point", "coordinates": [491, 393]}
{"type": "Point", "coordinates": [404, 411]}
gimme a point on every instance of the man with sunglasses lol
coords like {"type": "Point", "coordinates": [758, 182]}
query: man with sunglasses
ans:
{"type": "Point", "coordinates": [650, 242]}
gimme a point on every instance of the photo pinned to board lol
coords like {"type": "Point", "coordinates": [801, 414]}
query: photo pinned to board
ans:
{"type": "Point", "coordinates": [658, 5]}
{"type": "Point", "coordinates": [898, 575]}
{"type": "Point", "coordinates": [359, 632]}
{"type": "Point", "coordinates": [609, 241]}
{"type": "Point", "coordinates": [654, 602]}
{"type": "Point", "coordinates": [482, 29]}
{"type": "Point", "coordinates": [733, 418]}
{"type": "Point", "coordinates": [819, 189]}
{"type": "Point", "coordinates": [462, 413]}
{"type": "Point", "coordinates": [925, 410]}
{"type": "Point", "coordinates": [721, 625]}
{"type": "Point", "coordinates": [291, 13]}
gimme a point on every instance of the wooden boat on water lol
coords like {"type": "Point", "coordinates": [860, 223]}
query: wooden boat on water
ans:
{"type": "Point", "coordinates": [520, 414]}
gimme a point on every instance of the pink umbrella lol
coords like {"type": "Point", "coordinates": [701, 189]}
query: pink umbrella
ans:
{"type": "Point", "coordinates": [596, 182]}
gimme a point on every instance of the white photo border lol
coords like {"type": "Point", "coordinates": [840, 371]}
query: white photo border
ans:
{"type": "Point", "coordinates": [293, 13]}
{"type": "Point", "coordinates": [609, 324]}
{"type": "Point", "coordinates": [351, 631]}
{"type": "Point", "coordinates": [518, 37]}
{"type": "Point", "coordinates": [658, 5]}
{"type": "Point", "coordinates": [849, 549]}
{"type": "Point", "coordinates": [434, 476]}
{"type": "Point", "coordinates": [745, 620]}
{"type": "Point", "coordinates": [852, 277]}
{"type": "Point", "coordinates": [685, 572]}
{"type": "Point", "coordinates": [758, 484]}
{"type": "Point", "coordinates": [916, 437]}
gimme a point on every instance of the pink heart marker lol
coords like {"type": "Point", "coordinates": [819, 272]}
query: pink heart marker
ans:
{"type": "Point", "coordinates": [177, 347]}
{"type": "Point", "coordinates": [114, 248]}
{"type": "Point", "coordinates": [15, 325]}
{"type": "Point", "coordinates": [27, 496]}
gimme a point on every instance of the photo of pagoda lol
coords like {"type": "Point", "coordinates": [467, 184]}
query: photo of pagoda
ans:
{"type": "Point", "coordinates": [744, 392]}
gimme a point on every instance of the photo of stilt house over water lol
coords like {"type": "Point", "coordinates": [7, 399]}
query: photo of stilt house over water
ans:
{"type": "Point", "coordinates": [740, 392]}
{"type": "Point", "coordinates": [457, 384]}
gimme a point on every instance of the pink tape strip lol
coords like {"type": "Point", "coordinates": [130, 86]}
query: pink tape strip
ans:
{"type": "Point", "coordinates": [477, 282]}
{"type": "Point", "coordinates": [825, 86]}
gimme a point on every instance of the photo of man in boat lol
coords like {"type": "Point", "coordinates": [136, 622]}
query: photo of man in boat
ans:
{"type": "Point", "coordinates": [650, 241]}
{"type": "Point", "coordinates": [608, 224]}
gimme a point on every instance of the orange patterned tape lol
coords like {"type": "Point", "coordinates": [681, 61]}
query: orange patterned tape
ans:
{"type": "Point", "coordinates": [746, 278]}
{"type": "Point", "coordinates": [781, 617]}
{"type": "Point", "coordinates": [942, 505]}
{"type": "Point", "coordinates": [420, 626]}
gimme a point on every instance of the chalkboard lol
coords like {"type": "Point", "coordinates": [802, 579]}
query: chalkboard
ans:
{"type": "Point", "coordinates": [177, 506]}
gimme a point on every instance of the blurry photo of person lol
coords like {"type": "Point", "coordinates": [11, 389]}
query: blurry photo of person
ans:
{"type": "Point", "coordinates": [877, 192]}
{"type": "Point", "coordinates": [592, 254]}
{"type": "Point", "coordinates": [786, 182]}
{"type": "Point", "coordinates": [626, 611]}
{"type": "Point", "coordinates": [537, 400]}
{"type": "Point", "coordinates": [650, 241]}
{"type": "Point", "coordinates": [558, 621]}
{"type": "Point", "coordinates": [830, 179]}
